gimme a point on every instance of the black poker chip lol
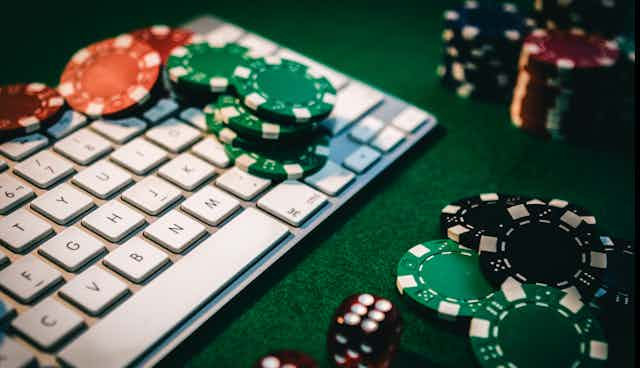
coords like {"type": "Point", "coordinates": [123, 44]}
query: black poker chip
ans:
{"type": "Point", "coordinates": [467, 220]}
{"type": "Point", "coordinates": [541, 244]}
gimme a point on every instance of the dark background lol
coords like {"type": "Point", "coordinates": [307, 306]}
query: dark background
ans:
{"type": "Point", "coordinates": [396, 48]}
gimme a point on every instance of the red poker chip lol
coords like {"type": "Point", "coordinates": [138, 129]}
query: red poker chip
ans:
{"type": "Point", "coordinates": [163, 38]}
{"type": "Point", "coordinates": [570, 49]}
{"type": "Point", "coordinates": [27, 107]}
{"type": "Point", "coordinates": [110, 76]}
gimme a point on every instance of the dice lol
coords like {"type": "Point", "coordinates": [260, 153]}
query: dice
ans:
{"type": "Point", "coordinates": [286, 359]}
{"type": "Point", "coordinates": [364, 332]}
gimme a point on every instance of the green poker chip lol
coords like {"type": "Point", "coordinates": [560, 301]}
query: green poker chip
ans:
{"type": "Point", "coordinates": [283, 90]}
{"type": "Point", "coordinates": [531, 325]}
{"type": "Point", "coordinates": [444, 277]}
{"type": "Point", "coordinates": [236, 117]}
{"type": "Point", "coordinates": [227, 135]}
{"type": "Point", "coordinates": [205, 67]}
{"type": "Point", "coordinates": [284, 163]}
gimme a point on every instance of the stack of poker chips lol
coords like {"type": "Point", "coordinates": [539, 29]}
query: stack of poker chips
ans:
{"type": "Point", "coordinates": [482, 40]}
{"type": "Point", "coordinates": [596, 16]}
{"type": "Point", "coordinates": [565, 84]}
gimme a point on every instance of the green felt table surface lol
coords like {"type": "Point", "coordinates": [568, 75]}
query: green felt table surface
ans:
{"type": "Point", "coordinates": [396, 47]}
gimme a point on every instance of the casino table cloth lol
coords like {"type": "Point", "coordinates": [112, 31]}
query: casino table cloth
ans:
{"type": "Point", "coordinates": [395, 47]}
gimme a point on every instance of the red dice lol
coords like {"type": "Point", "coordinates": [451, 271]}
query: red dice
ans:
{"type": "Point", "coordinates": [286, 359]}
{"type": "Point", "coordinates": [364, 332]}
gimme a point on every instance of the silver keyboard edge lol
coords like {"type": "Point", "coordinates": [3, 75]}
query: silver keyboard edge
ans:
{"type": "Point", "coordinates": [204, 24]}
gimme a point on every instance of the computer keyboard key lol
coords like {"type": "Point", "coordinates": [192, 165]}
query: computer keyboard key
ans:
{"type": "Point", "coordinates": [352, 102]}
{"type": "Point", "coordinates": [210, 205]}
{"type": "Point", "coordinates": [94, 290]}
{"type": "Point", "coordinates": [410, 119]}
{"type": "Point", "coordinates": [186, 171]}
{"type": "Point", "coordinates": [102, 179]}
{"type": "Point", "coordinates": [62, 204]}
{"type": "Point", "coordinates": [68, 123]}
{"type": "Point", "coordinates": [331, 179]}
{"type": "Point", "coordinates": [14, 355]}
{"type": "Point", "coordinates": [388, 139]}
{"type": "Point", "coordinates": [258, 46]}
{"type": "Point", "coordinates": [216, 261]}
{"type": "Point", "coordinates": [83, 147]}
{"type": "Point", "coordinates": [7, 312]}
{"type": "Point", "coordinates": [119, 130]}
{"type": "Point", "coordinates": [136, 259]}
{"type": "Point", "coordinates": [366, 129]}
{"type": "Point", "coordinates": [12, 193]}
{"type": "Point", "coordinates": [139, 156]}
{"type": "Point", "coordinates": [20, 148]}
{"type": "Point", "coordinates": [175, 231]}
{"type": "Point", "coordinates": [292, 201]}
{"type": "Point", "coordinates": [47, 323]}
{"type": "Point", "coordinates": [173, 135]}
{"type": "Point", "coordinates": [195, 117]}
{"type": "Point", "coordinates": [44, 169]}
{"type": "Point", "coordinates": [28, 278]}
{"type": "Point", "coordinates": [113, 221]}
{"type": "Point", "coordinates": [152, 195]}
{"type": "Point", "coordinates": [212, 151]}
{"type": "Point", "coordinates": [162, 109]}
{"type": "Point", "coordinates": [361, 159]}
{"type": "Point", "coordinates": [22, 229]}
{"type": "Point", "coordinates": [242, 184]}
{"type": "Point", "coordinates": [72, 249]}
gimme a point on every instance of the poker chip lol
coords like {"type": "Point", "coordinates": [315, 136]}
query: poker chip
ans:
{"type": "Point", "coordinates": [562, 205]}
{"type": "Point", "coordinates": [467, 220]}
{"type": "Point", "coordinates": [594, 16]}
{"type": "Point", "coordinates": [444, 277]}
{"type": "Point", "coordinates": [27, 108]}
{"type": "Point", "coordinates": [528, 325]}
{"type": "Point", "coordinates": [286, 359]}
{"type": "Point", "coordinates": [282, 163]}
{"type": "Point", "coordinates": [204, 67]}
{"type": "Point", "coordinates": [226, 134]}
{"type": "Point", "coordinates": [163, 38]}
{"type": "Point", "coordinates": [545, 246]}
{"type": "Point", "coordinates": [233, 114]}
{"type": "Point", "coordinates": [617, 285]}
{"type": "Point", "coordinates": [110, 76]}
{"type": "Point", "coordinates": [284, 90]}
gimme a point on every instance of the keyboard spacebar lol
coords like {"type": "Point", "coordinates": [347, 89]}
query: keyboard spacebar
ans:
{"type": "Point", "coordinates": [128, 331]}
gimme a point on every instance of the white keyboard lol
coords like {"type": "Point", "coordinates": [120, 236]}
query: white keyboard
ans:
{"type": "Point", "coordinates": [118, 238]}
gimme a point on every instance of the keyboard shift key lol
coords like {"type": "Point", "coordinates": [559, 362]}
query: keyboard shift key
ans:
{"type": "Point", "coordinates": [62, 204]}
{"type": "Point", "coordinates": [94, 290]}
{"type": "Point", "coordinates": [19, 148]}
{"type": "Point", "coordinates": [210, 205]}
{"type": "Point", "coordinates": [186, 171]}
{"type": "Point", "coordinates": [119, 130]}
{"type": "Point", "coordinates": [173, 135]}
{"type": "Point", "coordinates": [175, 231]}
{"type": "Point", "coordinates": [361, 159]}
{"type": "Point", "coordinates": [212, 151]}
{"type": "Point", "coordinates": [139, 156]}
{"type": "Point", "coordinates": [292, 201]}
{"type": "Point", "coordinates": [48, 323]}
{"type": "Point", "coordinates": [331, 179]}
{"type": "Point", "coordinates": [242, 184]}
{"type": "Point", "coordinates": [102, 179]}
{"type": "Point", "coordinates": [72, 249]}
{"type": "Point", "coordinates": [113, 221]}
{"type": "Point", "coordinates": [22, 229]}
{"type": "Point", "coordinates": [83, 147]}
{"type": "Point", "coordinates": [12, 193]}
{"type": "Point", "coordinates": [136, 259]}
{"type": "Point", "coordinates": [44, 169]}
{"type": "Point", "coordinates": [14, 355]}
{"type": "Point", "coordinates": [28, 278]}
{"type": "Point", "coordinates": [152, 195]}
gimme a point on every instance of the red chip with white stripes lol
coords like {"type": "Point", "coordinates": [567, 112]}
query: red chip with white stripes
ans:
{"type": "Point", "coordinates": [163, 38]}
{"type": "Point", "coordinates": [110, 76]}
{"type": "Point", "coordinates": [26, 108]}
